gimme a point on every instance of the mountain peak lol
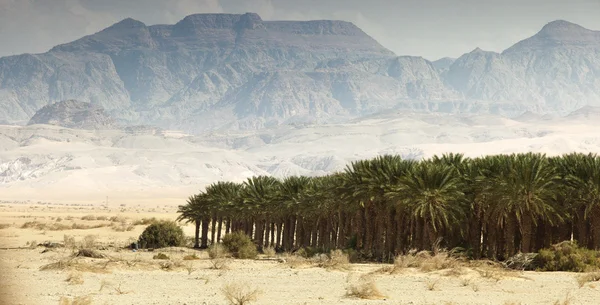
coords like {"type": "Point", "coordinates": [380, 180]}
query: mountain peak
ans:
{"type": "Point", "coordinates": [558, 33]}
{"type": "Point", "coordinates": [128, 23]}
{"type": "Point", "coordinates": [561, 27]}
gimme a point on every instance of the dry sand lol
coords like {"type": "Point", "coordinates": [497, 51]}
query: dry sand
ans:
{"type": "Point", "coordinates": [135, 278]}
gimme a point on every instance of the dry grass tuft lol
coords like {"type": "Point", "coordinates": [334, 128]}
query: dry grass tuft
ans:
{"type": "Point", "coordinates": [83, 300]}
{"type": "Point", "coordinates": [191, 257]}
{"type": "Point", "coordinates": [56, 226]}
{"type": "Point", "coordinates": [365, 289]}
{"type": "Point", "coordinates": [336, 260]}
{"type": "Point", "coordinates": [427, 262]}
{"type": "Point", "coordinates": [295, 261]}
{"type": "Point", "coordinates": [240, 294]}
{"type": "Point", "coordinates": [269, 252]}
{"type": "Point", "coordinates": [432, 284]}
{"type": "Point", "coordinates": [587, 278]}
{"type": "Point", "coordinates": [511, 303]}
{"type": "Point", "coordinates": [74, 264]}
{"type": "Point", "coordinates": [217, 251]}
{"type": "Point", "coordinates": [75, 278]}
{"type": "Point", "coordinates": [160, 256]}
{"type": "Point", "coordinates": [566, 301]}
{"type": "Point", "coordinates": [122, 226]}
{"type": "Point", "coordinates": [4, 226]}
{"type": "Point", "coordinates": [220, 263]}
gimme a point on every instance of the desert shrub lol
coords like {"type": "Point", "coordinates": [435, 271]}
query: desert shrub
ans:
{"type": "Point", "coordinates": [89, 241]}
{"type": "Point", "coordinates": [121, 226]}
{"type": "Point", "coordinates": [162, 234]}
{"type": "Point", "coordinates": [269, 251]}
{"type": "Point", "coordinates": [160, 256]}
{"type": "Point", "coordinates": [425, 261]}
{"type": "Point", "coordinates": [568, 256]}
{"type": "Point", "coordinates": [240, 294]}
{"type": "Point", "coordinates": [365, 289]}
{"type": "Point", "coordinates": [69, 241]}
{"type": "Point", "coordinates": [217, 251]}
{"type": "Point", "coordinates": [4, 226]}
{"type": "Point", "coordinates": [240, 245]}
{"type": "Point", "coordinates": [144, 221]}
{"type": "Point", "coordinates": [191, 257]}
{"type": "Point", "coordinates": [88, 217]}
{"type": "Point", "coordinates": [587, 278]}
{"type": "Point", "coordinates": [308, 252]}
{"type": "Point", "coordinates": [336, 260]}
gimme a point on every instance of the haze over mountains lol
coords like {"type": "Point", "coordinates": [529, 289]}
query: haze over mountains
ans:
{"type": "Point", "coordinates": [252, 97]}
{"type": "Point", "coordinates": [222, 71]}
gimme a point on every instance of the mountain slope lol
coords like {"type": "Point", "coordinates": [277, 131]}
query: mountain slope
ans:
{"type": "Point", "coordinates": [226, 71]}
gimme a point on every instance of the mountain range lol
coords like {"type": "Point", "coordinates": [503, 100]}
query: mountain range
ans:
{"type": "Point", "coordinates": [238, 72]}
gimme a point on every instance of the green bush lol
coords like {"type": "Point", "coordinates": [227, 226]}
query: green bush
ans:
{"type": "Point", "coordinates": [240, 245]}
{"type": "Point", "coordinates": [162, 234]}
{"type": "Point", "coordinates": [568, 256]}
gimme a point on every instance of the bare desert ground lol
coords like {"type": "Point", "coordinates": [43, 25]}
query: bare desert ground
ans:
{"type": "Point", "coordinates": [34, 274]}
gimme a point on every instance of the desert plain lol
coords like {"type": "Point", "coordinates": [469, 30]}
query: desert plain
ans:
{"type": "Point", "coordinates": [34, 273]}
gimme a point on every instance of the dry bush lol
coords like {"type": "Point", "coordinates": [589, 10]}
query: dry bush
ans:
{"type": "Point", "coordinates": [121, 226]}
{"type": "Point", "coordinates": [58, 226]}
{"type": "Point", "coordinates": [365, 289]}
{"type": "Point", "coordinates": [191, 257]}
{"type": "Point", "coordinates": [190, 268]}
{"type": "Point", "coordinates": [465, 282]}
{"type": "Point", "coordinates": [89, 242]}
{"type": "Point", "coordinates": [69, 241]}
{"type": "Point", "coordinates": [118, 218]}
{"type": "Point", "coordinates": [83, 300]}
{"type": "Point", "coordinates": [269, 252]}
{"type": "Point", "coordinates": [432, 284]}
{"type": "Point", "coordinates": [74, 278]}
{"type": "Point", "coordinates": [32, 244]}
{"type": "Point", "coordinates": [587, 278]}
{"type": "Point", "coordinates": [427, 262]}
{"type": "Point", "coordinates": [89, 253]}
{"type": "Point", "coordinates": [144, 221]}
{"type": "Point", "coordinates": [475, 287]}
{"type": "Point", "coordinates": [336, 260]}
{"type": "Point", "coordinates": [511, 303]}
{"type": "Point", "coordinates": [240, 294]}
{"type": "Point", "coordinates": [220, 263]}
{"type": "Point", "coordinates": [160, 256]}
{"type": "Point", "coordinates": [89, 217]}
{"type": "Point", "coordinates": [217, 251]}
{"type": "Point", "coordinates": [74, 264]}
{"type": "Point", "coordinates": [117, 288]}
{"type": "Point", "coordinates": [295, 261]}
{"type": "Point", "coordinates": [4, 226]}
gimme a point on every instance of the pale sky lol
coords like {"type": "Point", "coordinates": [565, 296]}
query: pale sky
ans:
{"type": "Point", "coordinates": [428, 28]}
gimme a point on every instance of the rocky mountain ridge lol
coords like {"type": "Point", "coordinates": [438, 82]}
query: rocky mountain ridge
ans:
{"type": "Point", "coordinates": [226, 71]}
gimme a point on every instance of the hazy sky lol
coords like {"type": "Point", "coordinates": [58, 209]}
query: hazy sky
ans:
{"type": "Point", "coordinates": [428, 28]}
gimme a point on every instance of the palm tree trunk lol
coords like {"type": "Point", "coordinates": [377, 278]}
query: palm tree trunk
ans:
{"type": "Point", "coordinates": [475, 233]}
{"type": "Point", "coordinates": [527, 233]}
{"type": "Point", "coordinates": [390, 236]}
{"type": "Point", "coordinates": [582, 228]}
{"type": "Point", "coordinates": [341, 241]}
{"type": "Point", "coordinates": [259, 235]}
{"type": "Point", "coordinates": [197, 233]}
{"type": "Point", "coordinates": [204, 238]}
{"type": "Point", "coordinates": [279, 232]}
{"type": "Point", "coordinates": [228, 226]}
{"type": "Point", "coordinates": [595, 227]}
{"type": "Point", "coordinates": [219, 229]}
{"type": "Point", "coordinates": [292, 232]}
{"type": "Point", "coordinates": [510, 228]}
{"type": "Point", "coordinates": [267, 231]}
{"type": "Point", "coordinates": [213, 229]}
{"type": "Point", "coordinates": [273, 235]}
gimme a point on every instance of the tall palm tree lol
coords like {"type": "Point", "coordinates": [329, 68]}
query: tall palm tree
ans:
{"type": "Point", "coordinates": [197, 210]}
{"type": "Point", "coordinates": [433, 195]}
{"type": "Point", "coordinates": [259, 196]}
{"type": "Point", "coordinates": [524, 193]}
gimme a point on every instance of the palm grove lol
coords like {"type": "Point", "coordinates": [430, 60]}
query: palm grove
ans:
{"type": "Point", "coordinates": [493, 206]}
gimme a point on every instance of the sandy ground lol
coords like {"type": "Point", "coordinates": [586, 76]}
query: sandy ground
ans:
{"type": "Point", "coordinates": [135, 278]}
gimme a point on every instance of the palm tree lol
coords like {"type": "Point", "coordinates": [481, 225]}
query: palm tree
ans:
{"type": "Point", "coordinates": [197, 210]}
{"type": "Point", "coordinates": [432, 194]}
{"type": "Point", "coordinates": [524, 194]}
{"type": "Point", "coordinates": [259, 196]}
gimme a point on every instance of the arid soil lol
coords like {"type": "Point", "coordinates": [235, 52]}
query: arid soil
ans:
{"type": "Point", "coordinates": [126, 277]}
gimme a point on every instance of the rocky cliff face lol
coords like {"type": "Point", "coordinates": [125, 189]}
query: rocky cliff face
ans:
{"type": "Point", "coordinates": [224, 71]}
{"type": "Point", "coordinates": [73, 114]}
